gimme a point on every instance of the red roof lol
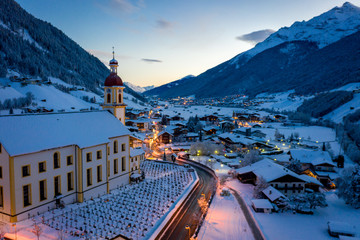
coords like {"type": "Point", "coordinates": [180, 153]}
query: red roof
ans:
{"type": "Point", "coordinates": [113, 80]}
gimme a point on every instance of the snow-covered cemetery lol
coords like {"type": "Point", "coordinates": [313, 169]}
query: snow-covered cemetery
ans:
{"type": "Point", "coordinates": [108, 159]}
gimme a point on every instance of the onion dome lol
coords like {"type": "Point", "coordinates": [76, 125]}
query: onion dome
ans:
{"type": "Point", "coordinates": [113, 62]}
{"type": "Point", "coordinates": [113, 80]}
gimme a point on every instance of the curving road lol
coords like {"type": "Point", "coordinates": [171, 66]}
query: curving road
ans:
{"type": "Point", "coordinates": [177, 231]}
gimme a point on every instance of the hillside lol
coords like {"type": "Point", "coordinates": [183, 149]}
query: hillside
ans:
{"type": "Point", "coordinates": [35, 48]}
{"type": "Point", "coordinates": [310, 57]}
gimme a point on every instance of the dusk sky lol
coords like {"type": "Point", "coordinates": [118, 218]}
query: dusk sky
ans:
{"type": "Point", "coordinates": [161, 41]}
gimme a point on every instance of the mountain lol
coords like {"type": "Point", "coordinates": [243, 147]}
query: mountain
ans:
{"type": "Point", "coordinates": [294, 57]}
{"type": "Point", "coordinates": [35, 48]}
{"type": "Point", "coordinates": [139, 89]}
{"type": "Point", "coordinates": [169, 86]}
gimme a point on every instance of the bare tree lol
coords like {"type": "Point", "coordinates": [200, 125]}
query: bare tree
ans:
{"type": "Point", "coordinates": [260, 186]}
{"type": "Point", "coordinates": [203, 204]}
{"type": "Point", "coordinates": [37, 230]}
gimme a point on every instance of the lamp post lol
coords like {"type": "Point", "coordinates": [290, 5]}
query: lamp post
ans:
{"type": "Point", "coordinates": [187, 227]}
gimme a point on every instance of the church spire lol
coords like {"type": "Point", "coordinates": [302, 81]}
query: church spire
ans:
{"type": "Point", "coordinates": [113, 63]}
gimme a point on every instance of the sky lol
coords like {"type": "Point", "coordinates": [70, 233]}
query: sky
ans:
{"type": "Point", "coordinates": [159, 41]}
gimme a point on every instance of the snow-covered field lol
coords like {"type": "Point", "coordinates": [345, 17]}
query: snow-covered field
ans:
{"type": "Point", "coordinates": [134, 211]}
{"type": "Point", "coordinates": [345, 109]}
{"type": "Point", "coordinates": [280, 101]}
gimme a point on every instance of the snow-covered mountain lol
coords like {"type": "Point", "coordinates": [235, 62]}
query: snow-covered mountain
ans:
{"type": "Point", "coordinates": [138, 88]}
{"type": "Point", "coordinates": [309, 57]}
{"type": "Point", "coordinates": [324, 29]}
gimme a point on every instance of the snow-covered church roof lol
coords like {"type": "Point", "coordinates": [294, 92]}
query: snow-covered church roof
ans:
{"type": "Point", "coordinates": [21, 134]}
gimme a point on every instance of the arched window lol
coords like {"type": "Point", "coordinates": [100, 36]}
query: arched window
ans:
{"type": "Point", "coordinates": [109, 98]}
{"type": "Point", "coordinates": [116, 149]}
{"type": "Point", "coordinates": [56, 158]}
{"type": "Point", "coordinates": [119, 97]}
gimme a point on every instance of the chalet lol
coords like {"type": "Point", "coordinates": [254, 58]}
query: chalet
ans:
{"type": "Point", "coordinates": [261, 205]}
{"type": "Point", "coordinates": [210, 118]}
{"type": "Point", "coordinates": [142, 124]}
{"type": "Point", "coordinates": [191, 137]}
{"type": "Point", "coordinates": [279, 177]}
{"type": "Point", "coordinates": [274, 195]}
{"type": "Point", "coordinates": [321, 160]}
{"type": "Point", "coordinates": [209, 130]}
{"type": "Point", "coordinates": [165, 137]}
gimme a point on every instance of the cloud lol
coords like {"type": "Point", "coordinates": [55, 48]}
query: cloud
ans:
{"type": "Point", "coordinates": [163, 24]}
{"type": "Point", "coordinates": [255, 37]}
{"type": "Point", "coordinates": [120, 6]}
{"type": "Point", "coordinates": [148, 60]}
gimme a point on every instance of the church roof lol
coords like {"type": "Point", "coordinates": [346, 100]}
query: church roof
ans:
{"type": "Point", "coordinates": [22, 134]}
{"type": "Point", "coordinates": [113, 80]}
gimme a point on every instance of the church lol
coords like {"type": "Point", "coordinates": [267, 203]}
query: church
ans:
{"type": "Point", "coordinates": [63, 158]}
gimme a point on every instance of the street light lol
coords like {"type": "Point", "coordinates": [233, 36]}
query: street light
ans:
{"type": "Point", "coordinates": [188, 228]}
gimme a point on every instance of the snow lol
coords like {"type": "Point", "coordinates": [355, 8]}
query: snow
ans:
{"type": "Point", "coordinates": [262, 203]}
{"type": "Point", "coordinates": [324, 29]}
{"type": "Point", "coordinates": [348, 87]}
{"type": "Point", "coordinates": [9, 93]}
{"type": "Point", "coordinates": [60, 82]}
{"type": "Point", "coordinates": [272, 193]}
{"type": "Point", "coordinates": [280, 101]}
{"type": "Point", "coordinates": [135, 211]}
{"type": "Point", "coordinates": [310, 156]}
{"type": "Point", "coordinates": [138, 88]}
{"type": "Point", "coordinates": [17, 132]}
{"type": "Point", "coordinates": [225, 220]}
{"type": "Point", "coordinates": [338, 114]}
{"type": "Point", "coordinates": [299, 226]}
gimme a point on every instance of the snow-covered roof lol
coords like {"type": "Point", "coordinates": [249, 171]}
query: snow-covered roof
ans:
{"type": "Point", "coordinates": [309, 179]}
{"type": "Point", "coordinates": [272, 193]}
{"type": "Point", "coordinates": [136, 152]}
{"type": "Point", "coordinates": [138, 136]}
{"type": "Point", "coordinates": [341, 227]}
{"type": "Point", "coordinates": [237, 138]}
{"type": "Point", "coordinates": [262, 203]}
{"type": "Point", "coordinates": [21, 134]}
{"type": "Point", "coordinates": [269, 170]}
{"type": "Point", "coordinates": [310, 156]}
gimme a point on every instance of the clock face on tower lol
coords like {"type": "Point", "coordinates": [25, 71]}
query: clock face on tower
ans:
{"type": "Point", "coordinates": [108, 90]}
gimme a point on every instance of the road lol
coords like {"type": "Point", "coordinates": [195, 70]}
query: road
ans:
{"type": "Point", "coordinates": [190, 217]}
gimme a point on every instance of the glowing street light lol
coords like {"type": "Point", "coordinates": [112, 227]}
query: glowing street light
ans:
{"type": "Point", "coordinates": [187, 227]}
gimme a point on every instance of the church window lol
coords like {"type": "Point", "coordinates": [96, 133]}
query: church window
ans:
{"type": "Point", "coordinates": [27, 195]}
{"type": "Point", "coordinates": [116, 146]}
{"type": "Point", "coordinates": [42, 167]}
{"type": "Point", "coordinates": [123, 147]}
{"type": "Point", "coordinates": [57, 185]}
{"type": "Point", "coordinates": [1, 197]}
{"type": "Point", "coordinates": [69, 160]}
{"type": "Point", "coordinates": [98, 154]}
{"type": "Point", "coordinates": [123, 164]}
{"type": "Point", "coordinates": [88, 177]}
{"type": "Point", "coordinates": [26, 171]}
{"type": "Point", "coordinates": [120, 98]}
{"type": "Point", "coordinates": [99, 173]}
{"type": "Point", "coordinates": [56, 159]}
{"type": "Point", "coordinates": [88, 157]}
{"type": "Point", "coordinates": [116, 166]}
{"type": "Point", "coordinates": [70, 181]}
{"type": "Point", "coordinates": [42, 186]}
{"type": "Point", "coordinates": [108, 98]}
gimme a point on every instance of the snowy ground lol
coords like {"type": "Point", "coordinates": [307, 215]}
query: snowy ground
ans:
{"type": "Point", "coordinates": [284, 226]}
{"type": "Point", "coordinates": [280, 101]}
{"type": "Point", "coordinates": [134, 211]}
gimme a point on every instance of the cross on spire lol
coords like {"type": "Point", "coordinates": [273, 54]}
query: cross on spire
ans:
{"type": "Point", "coordinates": [113, 53]}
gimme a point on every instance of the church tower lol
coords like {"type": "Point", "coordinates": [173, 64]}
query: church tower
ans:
{"type": "Point", "coordinates": [113, 92]}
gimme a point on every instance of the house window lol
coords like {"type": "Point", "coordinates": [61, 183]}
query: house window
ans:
{"type": "Point", "coordinates": [99, 173]}
{"type": "Point", "coordinates": [1, 197]}
{"type": "Point", "coordinates": [119, 97]}
{"type": "Point", "coordinates": [70, 181]}
{"type": "Point", "coordinates": [123, 147]}
{"type": "Point", "coordinates": [56, 158]}
{"type": "Point", "coordinates": [116, 147]}
{"type": "Point", "coordinates": [276, 185]}
{"type": "Point", "coordinates": [57, 186]}
{"type": "Point", "coordinates": [42, 188]}
{"type": "Point", "coordinates": [69, 160]}
{"type": "Point", "coordinates": [42, 167]}
{"type": "Point", "coordinates": [88, 177]}
{"type": "Point", "coordinates": [98, 154]}
{"type": "Point", "coordinates": [294, 185]}
{"type": "Point", "coordinates": [116, 166]}
{"type": "Point", "coordinates": [88, 157]}
{"type": "Point", "coordinates": [108, 98]}
{"type": "Point", "coordinates": [27, 195]}
{"type": "Point", "coordinates": [26, 171]}
{"type": "Point", "coordinates": [123, 164]}
{"type": "Point", "coordinates": [285, 185]}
